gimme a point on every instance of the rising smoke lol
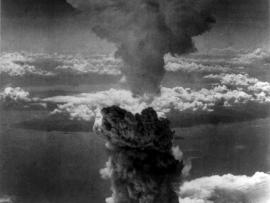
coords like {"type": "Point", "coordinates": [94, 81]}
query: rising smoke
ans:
{"type": "Point", "coordinates": [143, 166]}
{"type": "Point", "coordinates": [145, 30]}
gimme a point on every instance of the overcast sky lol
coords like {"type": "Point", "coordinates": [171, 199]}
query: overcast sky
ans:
{"type": "Point", "coordinates": [55, 26]}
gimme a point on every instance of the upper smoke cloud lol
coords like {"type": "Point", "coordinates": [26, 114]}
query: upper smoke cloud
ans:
{"type": "Point", "coordinates": [145, 30]}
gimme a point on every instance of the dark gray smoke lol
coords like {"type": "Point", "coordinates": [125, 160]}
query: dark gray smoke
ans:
{"type": "Point", "coordinates": [145, 30]}
{"type": "Point", "coordinates": [143, 167]}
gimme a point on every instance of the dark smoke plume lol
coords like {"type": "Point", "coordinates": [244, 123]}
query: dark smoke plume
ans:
{"type": "Point", "coordinates": [143, 166]}
{"type": "Point", "coordinates": [145, 30]}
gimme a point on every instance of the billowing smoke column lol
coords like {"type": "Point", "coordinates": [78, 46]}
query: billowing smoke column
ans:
{"type": "Point", "coordinates": [145, 30]}
{"type": "Point", "coordinates": [143, 166]}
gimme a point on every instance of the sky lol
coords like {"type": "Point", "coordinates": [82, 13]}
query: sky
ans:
{"type": "Point", "coordinates": [218, 102]}
{"type": "Point", "coordinates": [55, 26]}
{"type": "Point", "coordinates": [240, 24]}
{"type": "Point", "coordinates": [45, 26]}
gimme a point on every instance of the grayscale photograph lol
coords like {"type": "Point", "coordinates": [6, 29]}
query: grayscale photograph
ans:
{"type": "Point", "coordinates": [135, 101]}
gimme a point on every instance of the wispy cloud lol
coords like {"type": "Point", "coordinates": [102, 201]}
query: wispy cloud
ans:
{"type": "Point", "coordinates": [18, 98]}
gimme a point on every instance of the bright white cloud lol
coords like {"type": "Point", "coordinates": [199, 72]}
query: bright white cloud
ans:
{"type": "Point", "coordinates": [186, 65]}
{"type": "Point", "coordinates": [100, 64]}
{"type": "Point", "coordinates": [20, 64]}
{"type": "Point", "coordinates": [227, 188]}
{"type": "Point", "coordinates": [16, 94]}
{"type": "Point", "coordinates": [85, 106]}
{"type": "Point", "coordinates": [259, 90]}
{"type": "Point", "coordinates": [15, 64]}
{"type": "Point", "coordinates": [17, 97]}
{"type": "Point", "coordinates": [255, 56]}
{"type": "Point", "coordinates": [228, 91]}
{"type": "Point", "coordinates": [231, 90]}
{"type": "Point", "coordinates": [177, 153]}
{"type": "Point", "coordinates": [219, 61]}
{"type": "Point", "coordinates": [216, 61]}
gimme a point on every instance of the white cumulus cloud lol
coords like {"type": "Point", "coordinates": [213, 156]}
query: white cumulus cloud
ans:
{"type": "Point", "coordinates": [15, 64]}
{"type": "Point", "coordinates": [259, 90]}
{"type": "Point", "coordinates": [16, 94]}
{"type": "Point", "coordinates": [215, 62]}
{"type": "Point", "coordinates": [228, 91]}
{"type": "Point", "coordinates": [231, 90]}
{"type": "Point", "coordinates": [220, 61]}
{"type": "Point", "coordinates": [100, 64]}
{"type": "Point", "coordinates": [18, 97]}
{"type": "Point", "coordinates": [24, 63]}
{"type": "Point", "coordinates": [85, 105]}
{"type": "Point", "coordinates": [255, 56]}
{"type": "Point", "coordinates": [187, 65]}
{"type": "Point", "coordinates": [227, 189]}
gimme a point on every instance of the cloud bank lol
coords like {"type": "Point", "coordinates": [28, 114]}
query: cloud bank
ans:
{"type": "Point", "coordinates": [255, 56]}
{"type": "Point", "coordinates": [99, 64]}
{"type": "Point", "coordinates": [187, 65]}
{"type": "Point", "coordinates": [31, 69]}
{"type": "Point", "coordinates": [227, 188]}
{"type": "Point", "coordinates": [227, 60]}
{"type": "Point", "coordinates": [59, 68]}
{"type": "Point", "coordinates": [15, 64]}
{"type": "Point", "coordinates": [24, 63]}
{"type": "Point", "coordinates": [229, 92]}
{"type": "Point", "coordinates": [226, 92]}
{"type": "Point", "coordinates": [234, 93]}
